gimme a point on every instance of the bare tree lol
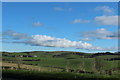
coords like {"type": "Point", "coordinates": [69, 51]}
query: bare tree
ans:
{"type": "Point", "coordinates": [98, 65]}
{"type": "Point", "coordinates": [18, 61]}
{"type": "Point", "coordinates": [67, 64]}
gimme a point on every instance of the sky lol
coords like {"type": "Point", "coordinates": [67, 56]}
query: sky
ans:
{"type": "Point", "coordinates": [60, 26]}
{"type": "Point", "coordinates": [60, 1]}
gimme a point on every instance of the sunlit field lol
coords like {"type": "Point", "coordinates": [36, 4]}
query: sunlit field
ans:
{"type": "Point", "coordinates": [67, 65]}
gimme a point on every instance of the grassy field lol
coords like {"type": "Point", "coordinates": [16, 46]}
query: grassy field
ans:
{"type": "Point", "coordinates": [35, 75]}
{"type": "Point", "coordinates": [63, 62]}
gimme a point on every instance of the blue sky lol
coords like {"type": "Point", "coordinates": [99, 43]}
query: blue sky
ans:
{"type": "Point", "coordinates": [79, 26]}
{"type": "Point", "coordinates": [60, 1]}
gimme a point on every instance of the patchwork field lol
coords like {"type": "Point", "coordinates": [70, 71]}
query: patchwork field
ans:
{"type": "Point", "coordinates": [106, 64]}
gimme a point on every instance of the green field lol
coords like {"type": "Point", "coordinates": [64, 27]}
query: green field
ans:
{"type": "Point", "coordinates": [35, 75]}
{"type": "Point", "coordinates": [64, 61]}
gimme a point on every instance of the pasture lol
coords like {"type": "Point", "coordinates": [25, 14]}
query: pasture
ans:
{"type": "Point", "coordinates": [63, 62]}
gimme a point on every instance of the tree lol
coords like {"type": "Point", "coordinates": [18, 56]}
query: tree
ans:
{"type": "Point", "coordinates": [67, 64]}
{"type": "Point", "coordinates": [18, 61]}
{"type": "Point", "coordinates": [98, 65]}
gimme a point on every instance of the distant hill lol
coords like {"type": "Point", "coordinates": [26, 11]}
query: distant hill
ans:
{"type": "Point", "coordinates": [62, 53]}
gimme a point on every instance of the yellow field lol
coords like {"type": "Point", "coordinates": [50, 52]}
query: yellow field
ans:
{"type": "Point", "coordinates": [29, 67]}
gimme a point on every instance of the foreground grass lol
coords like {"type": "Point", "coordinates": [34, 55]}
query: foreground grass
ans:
{"type": "Point", "coordinates": [36, 75]}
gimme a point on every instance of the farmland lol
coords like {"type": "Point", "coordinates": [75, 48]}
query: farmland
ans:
{"type": "Point", "coordinates": [82, 65]}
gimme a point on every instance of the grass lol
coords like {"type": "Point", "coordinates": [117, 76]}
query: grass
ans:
{"type": "Point", "coordinates": [62, 59]}
{"type": "Point", "coordinates": [46, 59]}
{"type": "Point", "coordinates": [35, 75]}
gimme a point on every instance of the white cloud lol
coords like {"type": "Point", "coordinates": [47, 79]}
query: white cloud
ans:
{"type": "Point", "coordinates": [105, 9]}
{"type": "Point", "coordinates": [107, 20]}
{"type": "Point", "coordinates": [80, 21]}
{"type": "Point", "coordinates": [15, 35]}
{"type": "Point", "coordinates": [37, 24]}
{"type": "Point", "coordinates": [100, 34]}
{"type": "Point", "coordinates": [48, 41]}
{"type": "Point", "coordinates": [43, 40]}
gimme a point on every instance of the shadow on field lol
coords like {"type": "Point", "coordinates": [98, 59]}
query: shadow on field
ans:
{"type": "Point", "coordinates": [35, 75]}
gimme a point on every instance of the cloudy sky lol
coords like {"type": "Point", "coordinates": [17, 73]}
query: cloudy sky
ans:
{"type": "Point", "coordinates": [85, 27]}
